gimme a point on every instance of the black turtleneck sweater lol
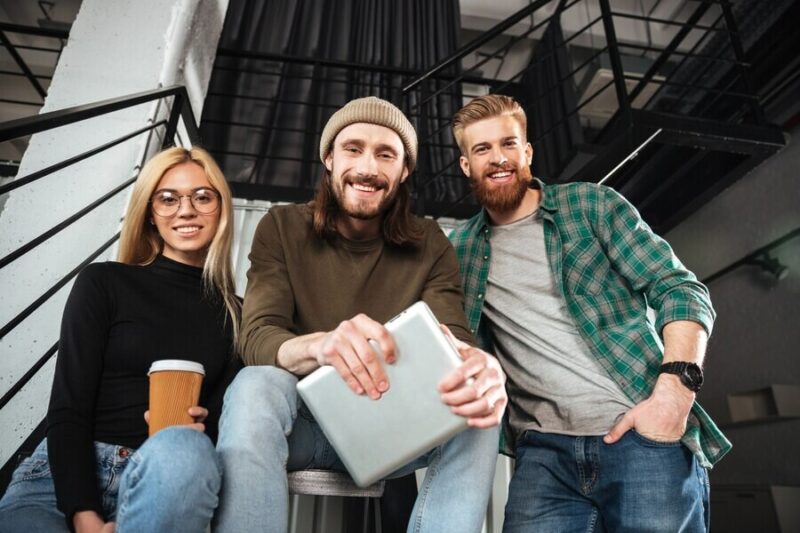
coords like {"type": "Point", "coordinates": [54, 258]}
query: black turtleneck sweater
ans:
{"type": "Point", "coordinates": [119, 319]}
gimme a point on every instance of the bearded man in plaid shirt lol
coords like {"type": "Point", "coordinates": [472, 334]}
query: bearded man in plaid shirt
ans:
{"type": "Point", "coordinates": [602, 415]}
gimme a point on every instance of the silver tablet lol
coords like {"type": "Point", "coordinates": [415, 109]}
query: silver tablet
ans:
{"type": "Point", "coordinates": [376, 437]}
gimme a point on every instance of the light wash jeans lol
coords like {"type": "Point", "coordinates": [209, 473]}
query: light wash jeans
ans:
{"type": "Point", "coordinates": [262, 435]}
{"type": "Point", "coordinates": [570, 484]}
{"type": "Point", "coordinates": [169, 484]}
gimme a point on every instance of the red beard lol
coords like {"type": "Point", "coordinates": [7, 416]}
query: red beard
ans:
{"type": "Point", "coordinates": [502, 198]}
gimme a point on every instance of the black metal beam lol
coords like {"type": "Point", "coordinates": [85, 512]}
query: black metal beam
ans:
{"type": "Point", "coordinates": [477, 43]}
{"type": "Point", "coordinates": [671, 47]}
{"type": "Point", "coordinates": [33, 30]}
{"type": "Point", "coordinates": [548, 20]}
{"type": "Point", "coordinates": [54, 119]}
{"type": "Point", "coordinates": [738, 51]}
{"type": "Point", "coordinates": [12, 51]}
{"type": "Point", "coordinates": [616, 61]}
{"type": "Point", "coordinates": [689, 24]}
{"type": "Point", "coordinates": [685, 54]}
{"type": "Point", "coordinates": [710, 134]}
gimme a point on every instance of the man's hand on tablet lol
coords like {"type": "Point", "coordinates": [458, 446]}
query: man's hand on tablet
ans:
{"type": "Point", "coordinates": [349, 349]}
{"type": "Point", "coordinates": [475, 390]}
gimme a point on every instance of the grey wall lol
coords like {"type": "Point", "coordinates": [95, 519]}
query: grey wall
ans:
{"type": "Point", "coordinates": [756, 341]}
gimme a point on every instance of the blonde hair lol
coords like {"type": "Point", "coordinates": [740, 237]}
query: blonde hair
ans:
{"type": "Point", "coordinates": [140, 241]}
{"type": "Point", "coordinates": [483, 107]}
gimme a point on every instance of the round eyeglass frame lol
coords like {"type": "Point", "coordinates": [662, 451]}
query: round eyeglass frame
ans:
{"type": "Point", "coordinates": [191, 201]}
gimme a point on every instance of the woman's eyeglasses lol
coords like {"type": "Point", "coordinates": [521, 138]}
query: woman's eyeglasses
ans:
{"type": "Point", "coordinates": [168, 203]}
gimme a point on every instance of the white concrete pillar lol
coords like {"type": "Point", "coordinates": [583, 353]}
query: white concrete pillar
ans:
{"type": "Point", "coordinates": [115, 48]}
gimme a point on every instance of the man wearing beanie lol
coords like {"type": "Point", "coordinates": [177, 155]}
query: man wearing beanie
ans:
{"type": "Point", "coordinates": [324, 277]}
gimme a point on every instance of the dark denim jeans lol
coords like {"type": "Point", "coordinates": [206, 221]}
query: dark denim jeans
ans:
{"type": "Point", "coordinates": [580, 484]}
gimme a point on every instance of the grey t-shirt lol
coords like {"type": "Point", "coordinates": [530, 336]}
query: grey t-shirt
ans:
{"type": "Point", "coordinates": [555, 384]}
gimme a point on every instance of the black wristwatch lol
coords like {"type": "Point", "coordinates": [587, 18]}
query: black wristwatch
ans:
{"type": "Point", "coordinates": [691, 375]}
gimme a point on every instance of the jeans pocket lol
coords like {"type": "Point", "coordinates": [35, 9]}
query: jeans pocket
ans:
{"type": "Point", "coordinates": [31, 468]}
{"type": "Point", "coordinates": [654, 443]}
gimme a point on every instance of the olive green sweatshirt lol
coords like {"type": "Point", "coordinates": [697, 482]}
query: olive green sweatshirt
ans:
{"type": "Point", "coordinates": [299, 283]}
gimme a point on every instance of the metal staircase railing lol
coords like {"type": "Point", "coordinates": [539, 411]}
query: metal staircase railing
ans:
{"type": "Point", "coordinates": [642, 129]}
{"type": "Point", "coordinates": [180, 111]}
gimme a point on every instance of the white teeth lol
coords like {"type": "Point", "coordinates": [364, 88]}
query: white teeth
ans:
{"type": "Point", "coordinates": [365, 188]}
{"type": "Point", "coordinates": [499, 175]}
{"type": "Point", "coordinates": [187, 229]}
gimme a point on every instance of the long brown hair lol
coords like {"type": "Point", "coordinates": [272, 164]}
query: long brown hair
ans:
{"type": "Point", "coordinates": [140, 241]}
{"type": "Point", "coordinates": [399, 226]}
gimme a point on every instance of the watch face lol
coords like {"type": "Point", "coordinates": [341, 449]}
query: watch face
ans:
{"type": "Point", "coordinates": [694, 376]}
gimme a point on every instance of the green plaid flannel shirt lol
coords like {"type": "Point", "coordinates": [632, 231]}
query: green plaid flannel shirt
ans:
{"type": "Point", "coordinates": [609, 266]}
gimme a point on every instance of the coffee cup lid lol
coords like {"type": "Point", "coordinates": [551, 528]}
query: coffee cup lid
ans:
{"type": "Point", "coordinates": [176, 364]}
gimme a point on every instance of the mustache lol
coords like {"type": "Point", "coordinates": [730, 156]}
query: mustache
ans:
{"type": "Point", "coordinates": [369, 181]}
{"type": "Point", "coordinates": [506, 167]}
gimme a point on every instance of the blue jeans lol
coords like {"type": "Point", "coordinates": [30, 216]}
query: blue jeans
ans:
{"type": "Point", "coordinates": [262, 435]}
{"type": "Point", "coordinates": [580, 484]}
{"type": "Point", "coordinates": [169, 484]}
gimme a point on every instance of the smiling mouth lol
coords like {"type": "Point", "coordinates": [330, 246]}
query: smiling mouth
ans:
{"type": "Point", "coordinates": [367, 186]}
{"type": "Point", "coordinates": [363, 187]}
{"type": "Point", "coordinates": [500, 175]}
{"type": "Point", "coordinates": [187, 229]}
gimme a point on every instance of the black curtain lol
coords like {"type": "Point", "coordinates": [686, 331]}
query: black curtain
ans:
{"type": "Point", "coordinates": [263, 118]}
{"type": "Point", "coordinates": [549, 102]}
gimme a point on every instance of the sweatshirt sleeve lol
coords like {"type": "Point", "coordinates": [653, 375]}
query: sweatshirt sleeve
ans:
{"type": "Point", "coordinates": [70, 416]}
{"type": "Point", "coordinates": [268, 309]}
{"type": "Point", "coordinates": [442, 291]}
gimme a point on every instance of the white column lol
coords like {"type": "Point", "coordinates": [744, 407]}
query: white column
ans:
{"type": "Point", "coordinates": [115, 48]}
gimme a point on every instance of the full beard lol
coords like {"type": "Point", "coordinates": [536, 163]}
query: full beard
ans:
{"type": "Point", "coordinates": [502, 199]}
{"type": "Point", "coordinates": [363, 209]}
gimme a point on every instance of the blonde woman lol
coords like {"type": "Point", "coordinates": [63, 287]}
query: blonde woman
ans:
{"type": "Point", "coordinates": [170, 296]}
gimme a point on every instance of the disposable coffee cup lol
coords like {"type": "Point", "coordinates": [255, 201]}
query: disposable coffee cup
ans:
{"type": "Point", "coordinates": [174, 388]}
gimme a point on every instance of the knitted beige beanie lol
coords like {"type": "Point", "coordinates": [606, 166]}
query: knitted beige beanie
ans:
{"type": "Point", "coordinates": [371, 110]}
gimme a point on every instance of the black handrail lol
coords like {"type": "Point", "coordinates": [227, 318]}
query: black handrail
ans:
{"type": "Point", "coordinates": [19, 182]}
{"type": "Point", "coordinates": [22, 315]}
{"type": "Point", "coordinates": [54, 119]}
{"type": "Point", "coordinates": [526, 107]}
{"type": "Point", "coordinates": [516, 39]}
{"type": "Point", "coordinates": [27, 376]}
{"type": "Point", "coordinates": [673, 44]}
{"type": "Point", "coordinates": [533, 65]}
{"type": "Point", "coordinates": [10, 130]}
{"type": "Point", "coordinates": [688, 25]}
{"type": "Point", "coordinates": [49, 353]}
{"type": "Point", "coordinates": [689, 55]}
{"type": "Point", "coordinates": [470, 47]}
{"type": "Point", "coordinates": [30, 245]}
